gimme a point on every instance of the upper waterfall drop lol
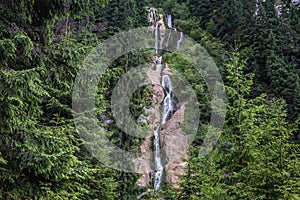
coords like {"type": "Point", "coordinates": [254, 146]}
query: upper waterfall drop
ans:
{"type": "Point", "coordinates": [152, 15]}
{"type": "Point", "coordinates": [156, 38]}
{"type": "Point", "coordinates": [169, 20]}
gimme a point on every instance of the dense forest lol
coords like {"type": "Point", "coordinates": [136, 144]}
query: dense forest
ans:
{"type": "Point", "coordinates": [255, 45]}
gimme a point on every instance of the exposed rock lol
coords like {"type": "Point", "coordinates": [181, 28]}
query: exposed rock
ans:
{"type": "Point", "coordinates": [153, 77]}
{"type": "Point", "coordinates": [152, 15]}
{"type": "Point", "coordinates": [174, 143]}
{"type": "Point", "coordinates": [154, 59]}
{"type": "Point", "coordinates": [172, 128]}
{"type": "Point", "coordinates": [174, 169]}
{"type": "Point", "coordinates": [143, 164]}
{"type": "Point", "coordinates": [153, 117]}
{"type": "Point", "coordinates": [146, 145]}
{"type": "Point", "coordinates": [162, 31]}
{"type": "Point", "coordinates": [142, 119]}
{"type": "Point", "coordinates": [167, 70]}
{"type": "Point", "coordinates": [158, 94]}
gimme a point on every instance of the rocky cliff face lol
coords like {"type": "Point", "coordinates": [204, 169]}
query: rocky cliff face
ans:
{"type": "Point", "coordinates": [144, 163]}
{"type": "Point", "coordinates": [173, 140]}
{"type": "Point", "coordinates": [171, 143]}
{"type": "Point", "coordinates": [174, 145]}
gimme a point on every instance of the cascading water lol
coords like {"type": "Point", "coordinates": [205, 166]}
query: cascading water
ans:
{"type": "Point", "coordinates": [159, 65]}
{"type": "Point", "coordinates": [156, 38]}
{"type": "Point", "coordinates": [159, 169]}
{"type": "Point", "coordinates": [180, 40]}
{"type": "Point", "coordinates": [169, 20]}
{"type": "Point", "coordinates": [169, 101]}
{"type": "Point", "coordinates": [152, 15]}
{"type": "Point", "coordinates": [158, 166]}
{"type": "Point", "coordinates": [168, 111]}
{"type": "Point", "coordinates": [168, 40]}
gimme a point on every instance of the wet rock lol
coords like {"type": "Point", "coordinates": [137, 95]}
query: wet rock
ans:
{"type": "Point", "coordinates": [174, 143]}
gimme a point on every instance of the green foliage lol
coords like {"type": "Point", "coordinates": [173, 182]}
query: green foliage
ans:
{"type": "Point", "coordinates": [42, 45]}
{"type": "Point", "coordinates": [268, 151]}
{"type": "Point", "coordinates": [255, 157]}
{"type": "Point", "coordinates": [204, 179]}
{"type": "Point", "coordinates": [41, 155]}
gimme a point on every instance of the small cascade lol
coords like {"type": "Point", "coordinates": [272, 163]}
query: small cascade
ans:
{"type": "Point", "coordinates": [169, 20]}
{"type": "Point", "coordinates": [169, 102]}
{"type": "Point", "coordinates": [152, 15]}
{"type": "Point", "coordinates": [180, 40]}
{"type": "Point", "coordinates": [158, 64]}
{"type": "Point", "coordinates": [156, 38]}
{"type": "Point", "coordinates": [149, 17]}
{"type": "Point", "coordinates": [168, 40]}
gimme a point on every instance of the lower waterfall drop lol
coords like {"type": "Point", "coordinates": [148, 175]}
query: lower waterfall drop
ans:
{"type": "Point", "coordinates": [158, 172]}
{"type": "Point", "coordinates": [158, 166]}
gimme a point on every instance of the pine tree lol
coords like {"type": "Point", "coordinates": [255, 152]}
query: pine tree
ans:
{"type": "Point", "coordinates": [256, 144]}
{"type": "Point", "coordinates": [268, 152]}
{"type": "Point", "coordinates": [40, 147]}
{"type": "Point", "coordinates": [204, 178]}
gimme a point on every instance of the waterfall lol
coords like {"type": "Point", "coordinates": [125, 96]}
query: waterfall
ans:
{"type": "Point", "coordinates": [152, 15]}
{"type": "Point", "coordinates": [169, 101]}
{"type": "Point", "coordinates": [169, 20]}
{"type": "Point", "coordinates": [168, 40]}
{"type": "Point", "coordinates": [159, 65]}
{"type": "Point", "coordinates": [158, 166]}
{"type": "Point", "coordinates": [158, 171]}
{"type": "Point", "coordinates": [149, 17]}
{"type": "Point", "coordinates": [156, 38]}
{"type": "Point", "coordinates": [168, 110]}
{"type": "Point", "coordinates": [180, 40]}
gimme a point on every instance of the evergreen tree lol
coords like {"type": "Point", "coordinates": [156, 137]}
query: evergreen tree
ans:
{"type": "Point", "coordinates": [259, 141]}
{"type": "Point", "coordinates": [39, 144]}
